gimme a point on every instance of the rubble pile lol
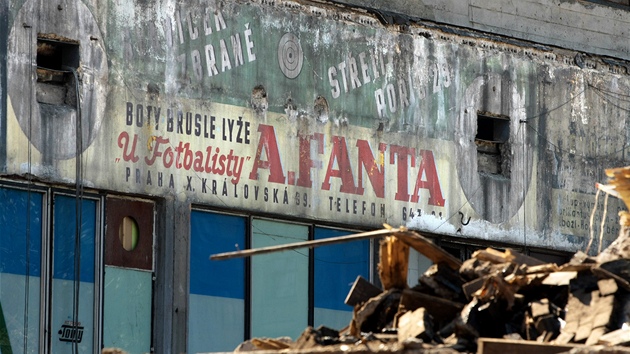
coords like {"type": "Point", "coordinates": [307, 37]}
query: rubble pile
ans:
{"type": "Point", "coordinates": [458, 307]}
{"type": "Point", "coordinates": [494, 302]}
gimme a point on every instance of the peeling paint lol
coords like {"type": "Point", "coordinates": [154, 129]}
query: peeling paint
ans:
{"type": "Point", "coordinates": [325, 113]}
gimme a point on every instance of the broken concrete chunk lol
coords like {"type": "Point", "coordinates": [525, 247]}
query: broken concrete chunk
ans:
{"type": "Point", "coordinates": [416, 324]}
{"type": "Point", "coordinates": [361, 291]}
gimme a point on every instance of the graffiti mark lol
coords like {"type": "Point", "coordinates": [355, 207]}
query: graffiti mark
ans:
{"type": "Point", "coordinates": [462, 219]}
{"type": "Point", "coordinates": [71, 332]}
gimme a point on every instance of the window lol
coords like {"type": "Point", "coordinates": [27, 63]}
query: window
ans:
{"type": "Point", "coordinates": [128, 279]}
{"type": "Point", "coordinates": [336, 267]}
{"type": "Point", "coordinates": [22, 221]}
{"type": "Point", "coordinates": [73, 323]}
{"type": "Point", "coordinates": [268, 295]}
{"type": "Point", "coordinates": [49, 271]}
{"type": "Point", "coordinates": [217, 288]}
{"type": "Point", "coordinates": [418, 264]}
{"type": "Point", "coordinates": [279, 281]}
{"type": "Point", "coordinates": [51, 280]}
{"type": "Point", "coordinates": [493, 153]}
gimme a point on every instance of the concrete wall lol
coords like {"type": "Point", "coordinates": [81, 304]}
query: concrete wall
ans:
{"type": "Point", "coordinates": [585, 26]}
{"type": "Point", "coordinates": [315, 112]}
{"type": "Point", "coordinates": [319, 113]}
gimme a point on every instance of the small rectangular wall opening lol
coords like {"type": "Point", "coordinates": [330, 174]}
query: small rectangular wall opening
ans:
{"type": "Point", "coordinates": [493, 133]}
{"type": "Point", "coordinates": [55, 81]}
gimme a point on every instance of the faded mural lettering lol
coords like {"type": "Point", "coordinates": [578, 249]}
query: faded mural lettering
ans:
{"type": "Point", "coordinates": [344, 168]}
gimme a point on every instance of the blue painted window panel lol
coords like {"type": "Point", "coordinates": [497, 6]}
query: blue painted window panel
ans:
{"type": "Point", "coordinates": [212, 233]}
{"type": "Point", "coordinates": [15, 233]}
{"type": "Point", "coordinates": [64, 238]}
{"type": "Point", "coordinates": [336, 267]}
{"type": "Point", "coordinates": [20, 224]}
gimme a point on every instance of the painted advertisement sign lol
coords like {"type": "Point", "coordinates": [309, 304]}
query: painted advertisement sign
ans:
{"type": "Point", "coordinates": [285, 108]}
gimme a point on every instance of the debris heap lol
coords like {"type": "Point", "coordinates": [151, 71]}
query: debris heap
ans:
{"type": "Point", "coordinates": [494, 302]}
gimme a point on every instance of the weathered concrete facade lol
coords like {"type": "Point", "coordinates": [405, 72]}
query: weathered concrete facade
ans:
{"type": "Point", "coordinates": [587, 26]}
{"type": "Point", "coordinates": [342, 120]}
{"type": "Point", "coordinates": [317, 112]}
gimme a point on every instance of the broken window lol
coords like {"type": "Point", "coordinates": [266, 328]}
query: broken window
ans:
{"type": "Point", "coordinates": [493, 153]}
{"type": "Point", "coordinates": [57, 57]}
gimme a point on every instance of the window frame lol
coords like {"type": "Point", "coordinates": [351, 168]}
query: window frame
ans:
{"type": "Point", "coordinates": [46, 329]}
{"type": "Point", "coordinates": [249, 219]}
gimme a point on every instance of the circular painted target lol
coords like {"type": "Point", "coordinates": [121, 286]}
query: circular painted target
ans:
{"type": "Point", "coordinates": [290, 55]}
{"type": "Point", "coordinates": [49, 124]}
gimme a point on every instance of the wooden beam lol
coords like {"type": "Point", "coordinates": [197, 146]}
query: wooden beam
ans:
{"type": "Point", "coordinates": [502, 346]}
{"type": "Point", "coordinates": [430, 250]}
{"type": "Point", "coordinates": [310, 244]}
{"type": "Point", "coordinates": [361, 291]}
{"type": "Point", "coordinates": [394, 263]}
{"type": "Point", "coordinates": [411, 238]}
{"type": "Point", "coordinates": [442, 310]}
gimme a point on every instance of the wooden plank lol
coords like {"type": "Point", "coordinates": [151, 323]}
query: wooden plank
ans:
{"type": "Point", "coordinates": [540, 308]}
{"type": "Point", "coordinates": [503, 346]}
{"type": "Point", "coordinates": [560, 278]}
{"type": "Point", "coordinates": [603, 310]}
{"type": "Point", "coordinates": [564, 338]}
{"type": "Point", "coordinates": [603, 273]}
{"type": "Point", "coordinates": [520, 258]}
{"type": "Point", "coordinates": [269, 344]}
{"type": "Point", "coordinates": [376, 313]}
{"type": "Point", "coordinates": [444, 281]}
{"type": "Point", "coordinates": [415, 324]}
{"type": "Point", "coordinates": [492, 255]}
{"type": "Point", "coordinates": [595, 335]}
{"type": "Point", "coordinates": [430, 250]}
{"type": "Point", "coordinates": [607, 286]}
{"type": "Point", "coordinates": [618, 337]}
{"type": "Point", "coordinates": [472, 286]}
{"type": "Point", "coordinates": [441, 309]}
{"type": "Point", "coordinates": [394, 263]}
{"type": "Point", "coordinates": [411, 238]}
{"type": "Point", "coordinates": [586, 314]}
{"type": "Point", "coordinates": [361, 291]}
{"type": "Point", "coordinates": [543, 268]}
{"type": "Point", "coordinates": [310, 244]}
{"type": "Point", "coordinates": [620, 267]}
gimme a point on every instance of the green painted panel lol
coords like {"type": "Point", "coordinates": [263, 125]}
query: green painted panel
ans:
{"type": "Point", "coordinates": [279, 285]}
{"type": "Point", "coordinates": [127, 309]}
